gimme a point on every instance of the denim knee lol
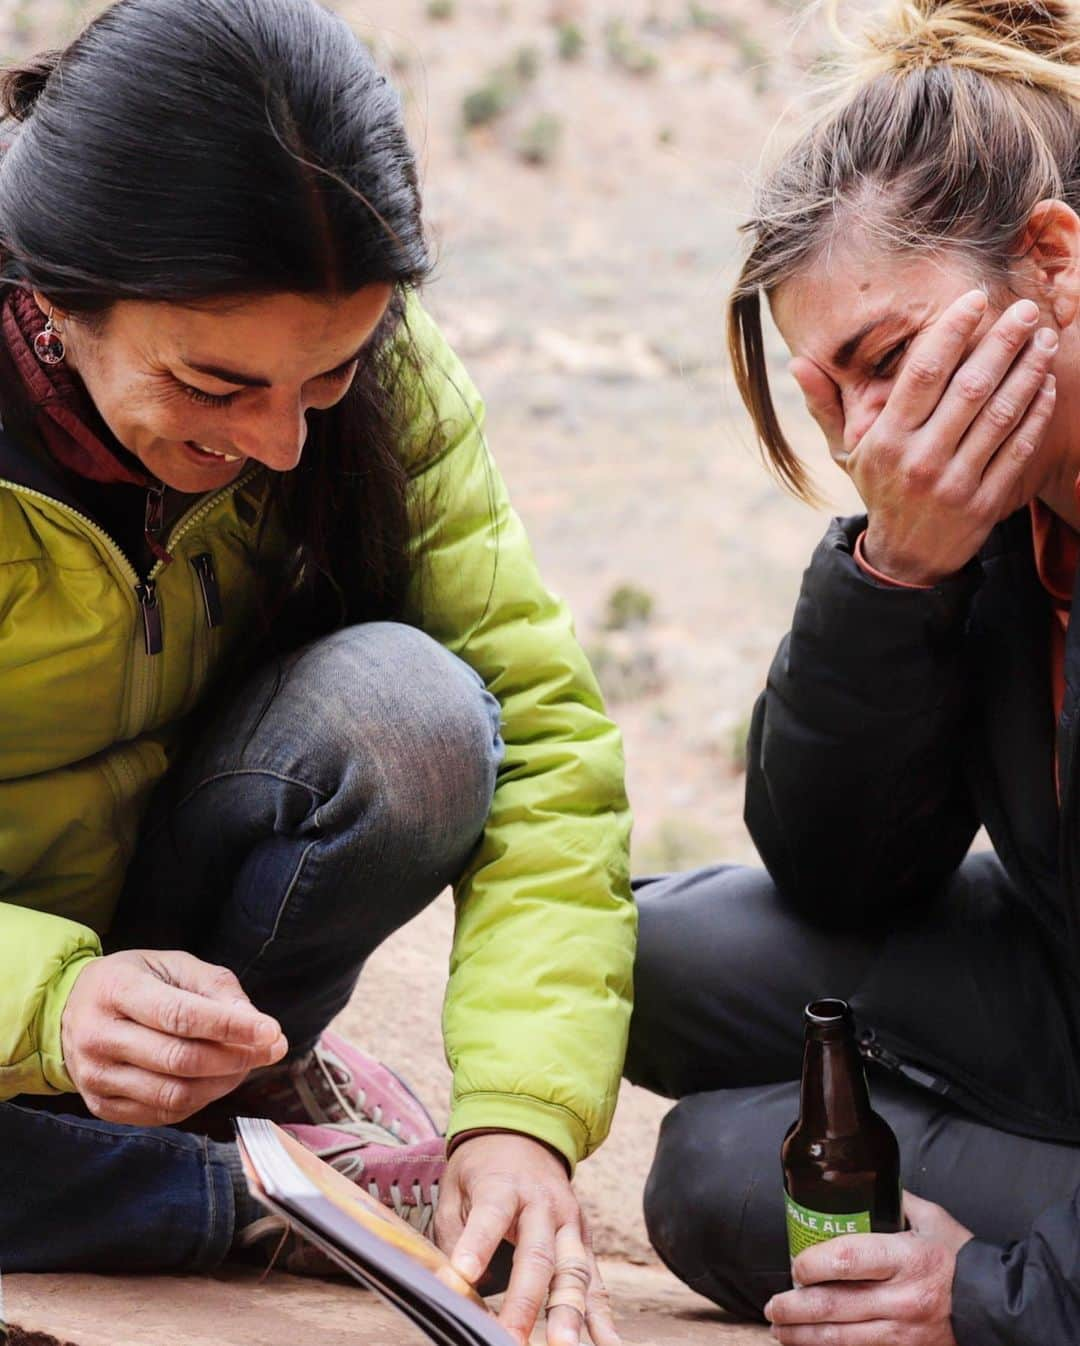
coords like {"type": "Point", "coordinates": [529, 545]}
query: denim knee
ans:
{"type": "Point", "coordinates": [380, 719]}
{"type": "Point", "coordinates": [714, 1202]}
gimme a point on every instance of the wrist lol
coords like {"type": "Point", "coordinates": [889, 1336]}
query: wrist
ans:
{"type": "Point", "coordinates": [462, 1137]}
{"type": "Point", "coordinates": [888, 567]}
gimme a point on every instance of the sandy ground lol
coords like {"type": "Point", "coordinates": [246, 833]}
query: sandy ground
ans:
{"type": "Point", "coordinates": [586, 296]}
{"type": "Point", "coordinates": [652, 1308]}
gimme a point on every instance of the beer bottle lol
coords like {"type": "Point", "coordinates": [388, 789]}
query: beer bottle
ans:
{"type": "Point", "coordinates": [841, 1160]}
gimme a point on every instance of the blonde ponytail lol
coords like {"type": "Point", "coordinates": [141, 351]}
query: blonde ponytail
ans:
{"type": "Point", "coordinates": [1034, 43]}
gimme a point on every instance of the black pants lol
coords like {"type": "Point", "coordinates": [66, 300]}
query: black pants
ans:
{"type": "Point", "coordinates": [724, 970]}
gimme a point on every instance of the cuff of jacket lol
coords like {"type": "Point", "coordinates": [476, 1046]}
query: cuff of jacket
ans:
{"type": "Point", "coordinates": [867, 569]}
{"type": "Point", "coordinates": [877, 626]}
{"type": "Point", "coordinates": [978, 1300]}
{"type": "Point", "coordinates": [50, 1046]}
{"type": "Point", "coordinates": [556, 1126]}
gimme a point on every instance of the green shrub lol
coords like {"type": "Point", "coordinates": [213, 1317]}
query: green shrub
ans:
{"type": "Point", "coordinates": [628, 606]}
{"type": "Point", "coordinates": [539, 142]}
{"type": "Point", "coordinates": [571, 42]}
{"type": "Point", "coordinates": [701, 16]}
{"type": "Point", "coordinates": [488, 102]}
{"type": "Point", "coordinates": [625, 51]}
{"type": "Point", "coordinates": [527, 62]}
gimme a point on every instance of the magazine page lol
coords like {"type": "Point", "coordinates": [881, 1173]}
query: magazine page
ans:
{"type": "Point", "coordinates": [366, 1239]}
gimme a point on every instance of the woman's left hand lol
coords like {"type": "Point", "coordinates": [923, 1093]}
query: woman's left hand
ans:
{"type": "Point", "coordinates": [510, 1186]}
{"type": "Point", "coordinates": [875, 1289]}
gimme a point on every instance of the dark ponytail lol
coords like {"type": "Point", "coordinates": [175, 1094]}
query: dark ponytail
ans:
{"type": "Point", "coordinates": [198, 149]}
{"type": "Point", "coordinates": [22, 85]}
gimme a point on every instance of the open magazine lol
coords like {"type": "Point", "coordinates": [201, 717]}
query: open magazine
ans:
{"type": "Point", "coordinates": [368, 1241]}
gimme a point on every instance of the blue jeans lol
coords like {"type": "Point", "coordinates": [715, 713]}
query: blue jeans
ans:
{"type": "Point", "coordinates": [317, 812]}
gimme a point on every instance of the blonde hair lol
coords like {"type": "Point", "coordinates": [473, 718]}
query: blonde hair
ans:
{"type": "Point", "coordinates": [949, 121]}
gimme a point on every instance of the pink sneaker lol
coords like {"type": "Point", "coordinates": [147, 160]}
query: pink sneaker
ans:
{"type": "Point", "coordinates": [405, 1178]}
{"type": "Point", "coordinates": [337, 1085]}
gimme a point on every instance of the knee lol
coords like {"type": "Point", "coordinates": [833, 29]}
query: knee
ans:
{"type": "Point", "coordinates": [411, 730]}
{"type": "Point", "coordinates": [713, 1201]}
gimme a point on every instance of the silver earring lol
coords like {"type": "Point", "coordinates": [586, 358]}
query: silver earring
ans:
{"type": "Point", "coordinates": [49, 344]}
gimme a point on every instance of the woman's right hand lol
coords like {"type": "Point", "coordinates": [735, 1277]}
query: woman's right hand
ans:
{"type": "Point", "coordinates": [150, 1038]}
{"type": "Point", "coordinates": [946, 457]}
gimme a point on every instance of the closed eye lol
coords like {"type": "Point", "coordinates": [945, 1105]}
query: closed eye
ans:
{"type": "Point", "coordinates": [225, 399]}
{"type": "Point", "coordinates": [888, 362]}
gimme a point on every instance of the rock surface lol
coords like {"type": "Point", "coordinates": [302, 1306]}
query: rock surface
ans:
{"type": "Point", "coordinates": [235, 1309]}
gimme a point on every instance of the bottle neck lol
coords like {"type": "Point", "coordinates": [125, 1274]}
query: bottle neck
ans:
{"type": "Point", "coordinates": [835, 1099]}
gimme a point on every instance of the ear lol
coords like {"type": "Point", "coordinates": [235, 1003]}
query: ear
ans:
{"type": "Point", "coordinates": [1049, 253]}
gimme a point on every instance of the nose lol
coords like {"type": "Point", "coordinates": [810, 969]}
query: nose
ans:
{"type": "Point", "coordinates": [274, 437]}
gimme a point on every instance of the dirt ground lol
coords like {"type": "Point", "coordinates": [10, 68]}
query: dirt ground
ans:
{"type": "Point", "coordinates": [586, 294]}
{"type": "Point", "coordinates": [652, 1307]}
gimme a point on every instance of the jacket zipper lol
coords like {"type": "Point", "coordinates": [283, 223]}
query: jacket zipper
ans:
{"type": "Point", "coordinates": [872, 1050]}
{"type": "Point", "coordinates": [989, 1108]}
{"type": "Point", "coordinates": [142, 592]}
{"type": "Point", "coordinates": [204, 568]}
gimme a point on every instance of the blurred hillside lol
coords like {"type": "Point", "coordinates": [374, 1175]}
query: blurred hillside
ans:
{"type": "Point", "coordinates": [586, 165]}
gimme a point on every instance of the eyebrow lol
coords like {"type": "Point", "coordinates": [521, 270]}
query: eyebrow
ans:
{"type": "Point", "coordinates": [845, 353]}
{"type": "Point", "coordinates": [255, 380]}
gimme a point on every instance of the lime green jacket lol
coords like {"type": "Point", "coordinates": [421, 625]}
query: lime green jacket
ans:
{"type": "Point", "coordinates": [539, 993]}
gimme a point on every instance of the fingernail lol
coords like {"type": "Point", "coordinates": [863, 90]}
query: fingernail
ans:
{"type": "Point", "coordinates": [1026, 311]}
{"type": "Point", "coordinates": [1049, 384]}
{"type": "Point", "coordinates": [267, 1033]}
{"type": "Point", "coordinates": [975, 302]}
{"type": "Point", "coordinates": [767, 1310]}
{"type": "Point", "coordinates": [1046, 339]}
{"type": "Point", "coordinates": [467, 1265]}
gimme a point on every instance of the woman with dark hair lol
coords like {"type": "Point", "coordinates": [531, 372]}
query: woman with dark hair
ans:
{"type": "Point", "coordinates": [919, 248]}
{"type": "Point", "coordinates": [275, 667]}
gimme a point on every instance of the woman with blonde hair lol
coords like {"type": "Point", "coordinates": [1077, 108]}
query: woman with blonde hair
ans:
{"type": "Point", "coordinates": [919, 247]}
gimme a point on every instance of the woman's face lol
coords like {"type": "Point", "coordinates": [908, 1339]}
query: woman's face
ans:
{"type": "Point", "coordinates": [855, 316]}
{"type": "Point", "coordinates": [196, 393]}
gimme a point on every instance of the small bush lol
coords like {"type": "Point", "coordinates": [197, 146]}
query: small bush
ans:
{"type": "Point", "coordinates": [539, 142]}
{"type": "Point", "coordinates": [440, 10]}
{"type": "Point", "coordinates": [571, 42]}
{"type": "Point", "coordinates": [527, 62]}
{"type": "Point", "coordinates": [700, 16]}
{"type": "Point", "coordinates": [486, 103]}
{"type": "Point", "coordinates": [628, 606]}
{"type": "Point", "coordinates": [625, 51]}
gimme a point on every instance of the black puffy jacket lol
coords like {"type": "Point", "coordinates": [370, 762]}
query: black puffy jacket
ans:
{"type": "Point", "coordinates": [894, 723]}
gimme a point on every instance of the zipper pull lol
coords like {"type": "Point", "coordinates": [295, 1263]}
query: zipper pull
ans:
{"type": "Point", "coordinates": [872, 1050]}
{"type": "Point", "coordinates": [204, 568]}
{"type": "Point", "coordinates": [151, 615]}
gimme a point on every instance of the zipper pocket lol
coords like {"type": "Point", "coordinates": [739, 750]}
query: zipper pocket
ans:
{"type": "Point", "coordinates": [204, 568]}
{"type": "Point", "coordinates": [146, 593]}
{"type": "Point", "coordinates": [872, 1050]}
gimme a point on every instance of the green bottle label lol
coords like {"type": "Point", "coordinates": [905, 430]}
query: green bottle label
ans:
{"type": "Point", "coordinates": [807, 1227]}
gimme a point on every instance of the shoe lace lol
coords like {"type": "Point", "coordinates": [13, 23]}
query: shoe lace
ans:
{"type": "Point", "coordinates": [325, 1073]}
{"type": "Point", "coordinates": [417, 1212]}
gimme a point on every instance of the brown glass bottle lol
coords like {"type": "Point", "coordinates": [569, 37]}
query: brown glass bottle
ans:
{"type": "Point", "coordinates": [841, 1160]}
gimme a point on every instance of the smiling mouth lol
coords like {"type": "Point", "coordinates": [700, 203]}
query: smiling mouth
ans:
{"type": "Point", "coordinates": [213, 453]}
